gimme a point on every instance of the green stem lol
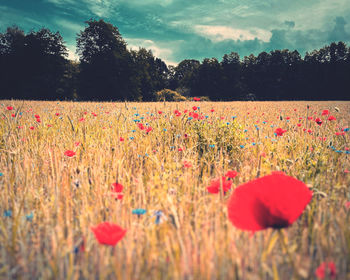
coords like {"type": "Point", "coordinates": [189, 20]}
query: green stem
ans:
{"type": "Point", "coordinates": [284, 245]}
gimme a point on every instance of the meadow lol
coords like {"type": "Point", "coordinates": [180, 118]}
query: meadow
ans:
{"type": "Point", "coordinates": [66, 167]}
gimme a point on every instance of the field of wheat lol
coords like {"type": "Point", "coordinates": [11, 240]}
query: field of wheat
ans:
{"type": "Point", "coordinates": [66, 168]}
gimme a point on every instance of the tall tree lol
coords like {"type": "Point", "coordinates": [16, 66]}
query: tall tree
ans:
{"type": "Point", "coordinates": [34, 64]}
{"type": "Point", "coordinates": [106, 66]}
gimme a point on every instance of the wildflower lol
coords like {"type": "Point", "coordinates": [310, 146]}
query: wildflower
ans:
{"type": "Point", "coordinates": [31, 127]}
{"type": "Point", "coordinates": [160, 112]}
{"type": "Point", "coordinates": [215, 185]}
{"type": "Point", "coordinates": [187, 164]}
{"type": "Point", "coordinates": [318, 121]}
{"type": "Point", "coordinates": [69, 153]}
{"type": "Point", "coordinates": [196, 99]}
{"type": "Point", "coordinates": [9, 108]}
{"type": "Point", "coordinates": [231, 174]}
{"type": "Point", "coordinates": [325, 112]}
{"type": "Point", "coordinates": [76, 144]}
{"type": "Point", "coordinates": [280, 131]}
{"type": "Point", "coordinates": [275, 201]}
{"type": "Point", "coordinates": [37, 116]}
{"type": "Point", "coordinates": [116, 187]}
{"type": "Point", "coordinates": [108, 233]}
{"type": "Point", "coordinates": [57, 114]}
{"type": "Point", "coordinates": [194, 108]}
{"type": "Point", "coordinates": [326, 269]}
{"type": "Point", "coordinates": [121, 139]}
{"type": "Point", "coordinates": [159, 216]}
{"type": "Point", "coordinates": [332, 118]}
{"type": "Point", "coordinates": [298, 124]}
{"type": "Point", "coordinates": [212, 110]}
{"type": "Point", "coordinates": [29, 217]}
{"type": "Point", "coordinates": [139, 211]}
{"type": "Point", "coordinates": [7, 213]}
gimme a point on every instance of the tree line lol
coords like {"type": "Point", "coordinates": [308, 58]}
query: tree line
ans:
{"type": "Point", "coordinates": [36, 66]}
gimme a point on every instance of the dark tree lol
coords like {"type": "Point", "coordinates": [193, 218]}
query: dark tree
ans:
{"type": "Point", "coordinates": [183, 75]}
{"type": "Point", "coordinates": [152, 73]}
{"type": "Point", "coordinates": [35, 64]}
{"type": "Point", "coordinates": [106, 66]}
{"type": "Point", "coordinates": [232, 86]}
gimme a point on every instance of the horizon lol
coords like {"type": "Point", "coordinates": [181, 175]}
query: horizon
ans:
{"type": "Point", "coordinates": [177, 30]}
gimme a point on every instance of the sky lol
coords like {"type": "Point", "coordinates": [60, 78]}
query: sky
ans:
{"type": "Point", "coordinates": [192, 29]}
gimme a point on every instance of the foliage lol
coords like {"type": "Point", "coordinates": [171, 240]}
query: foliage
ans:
{"type": "Point", "coordinates": [169, 95]}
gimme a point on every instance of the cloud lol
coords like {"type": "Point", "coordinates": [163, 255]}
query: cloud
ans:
{"type": "Point", "coordinates": [161, 52]}
{"type": "Point", "coordinates": [339, 33]}
{"type": "Point", "coordinates": [221, 33]}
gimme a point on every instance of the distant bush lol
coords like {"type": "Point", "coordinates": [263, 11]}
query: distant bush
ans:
{"type": "Point", "coordinates": [169, 95]}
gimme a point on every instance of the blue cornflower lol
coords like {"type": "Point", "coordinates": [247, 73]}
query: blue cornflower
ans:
{"type": "Point", "coordinates": [7, 213]}
{"type": "Point", "coordinates": [139, 211]}
{"type": "Point", "coordinates": [29, 217]}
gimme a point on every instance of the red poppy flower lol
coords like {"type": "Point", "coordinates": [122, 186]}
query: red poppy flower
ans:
{"type": "Point", "coordinates": [9, 108]}
{"type": "Point", "coordinates": [195, 115]}
{"type": "Point", "coordinates": [149, 129]}
{"type": "Point", "coordinates": [275, 201]}
{"type": "Point", "coordinates": [298, 124]}
{"type": "Point", "coordinates": [196, 99]}
{"type": "Point", "coordinates": [116, 187]}
{"type": "Point", "coordinates": [328, 268]}
{"type": "Point", "coordinates": [160, 112]}
{"type": "Point", "coordinates": [31, 127]}
{"type": "Point", "coordinates": [212, 110]}
{"type": "Point", "coordinates": [57, 114]}
{"type": "Point", "coordinates": [194, 108]}
{"type": "Point", "coordinates": [108, 234]}
{"type": "Point", "coordinates": [49, 125]}
{"type": "Point", "coordinates": [332, 118]}
{"type": "Point", "coordinates": [216, 183]}
{"type": "Point", "coordinates": [37, 116]}
{"type": "Point", "coordinates": [69, 153]}
{"type": "Point", "coordinates": [231, 174]}
{"type": "Point", "coordinates": [13, 115]}
{"type": "Point", "coordinates": [121, 139]}
{"type": "Point", "coordinates": [141, 126]}
{"type": "Point", "coordinates": [187, 164]}
{"type": "Point", "coordinates": [325, 112]}
{"type": "Point", "coordinates": [279, 131]}
{"type": "Point", "coordinates": [318, 121]}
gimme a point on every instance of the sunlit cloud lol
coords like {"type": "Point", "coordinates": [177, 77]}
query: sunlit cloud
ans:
{"type": "Point", "coordinates": [221, 33]}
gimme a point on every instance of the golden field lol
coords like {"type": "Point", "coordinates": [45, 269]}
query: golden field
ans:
{"type": "Point", "coordinates": [49, 201]}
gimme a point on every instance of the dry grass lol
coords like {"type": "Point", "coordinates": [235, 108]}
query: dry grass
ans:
{"type": "Point", "coordinates": [195, 239]}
